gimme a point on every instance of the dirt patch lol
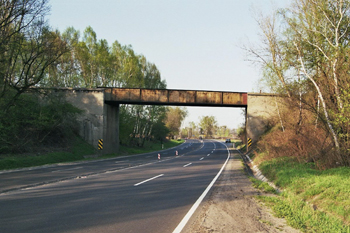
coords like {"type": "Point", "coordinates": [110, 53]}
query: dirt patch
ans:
{"type": "Point", "coordinates": [231, 206]}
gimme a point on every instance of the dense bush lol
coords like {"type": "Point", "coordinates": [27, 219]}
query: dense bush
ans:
{"type": "Point", "coordinates": [33, 123]}
{"type": "Point", "coordinates": [301, 138]}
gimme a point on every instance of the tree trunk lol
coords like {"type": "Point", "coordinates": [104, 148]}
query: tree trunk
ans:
{"type": "Point", "coordinates": [335, 137]}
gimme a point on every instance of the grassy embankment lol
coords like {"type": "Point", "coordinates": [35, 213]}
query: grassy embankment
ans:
{"type": "Point", "coordinates": [80, 151]}
{"type": "Point", "coordinates": [312, 200]}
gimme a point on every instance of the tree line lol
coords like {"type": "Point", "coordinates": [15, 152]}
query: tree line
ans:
{"type": "Point", "coordinates": [34, 55]}
{"type": "Point", "coordinates": [207, 127]}
{"type": "Point", "coordinates": [304, 55]}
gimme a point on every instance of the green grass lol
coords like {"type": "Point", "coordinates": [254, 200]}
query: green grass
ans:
{"type": "Point", "coordinates": [301, 215]}
{"type": "Point", "coordinates": [312, 200]}
{"type": "Point", "coordinates": [238, 144]}
{"type": "Point", "coordinates": [262, 185]}
{"type": "Point", "coordinates": [80, 151]}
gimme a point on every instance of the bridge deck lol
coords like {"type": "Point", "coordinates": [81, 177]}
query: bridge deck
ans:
{"type": "Point", "coordinates": [174, 97]}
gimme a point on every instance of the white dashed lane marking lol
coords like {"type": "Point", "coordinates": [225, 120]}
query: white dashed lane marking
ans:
{"type": "Point", "coordinates": [142, 182]}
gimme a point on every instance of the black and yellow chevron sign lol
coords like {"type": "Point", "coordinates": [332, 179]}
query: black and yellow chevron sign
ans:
{"type": "Point", "coordinates": [100, 144]}
{"type": "Point", "coordinates": [249, 142]}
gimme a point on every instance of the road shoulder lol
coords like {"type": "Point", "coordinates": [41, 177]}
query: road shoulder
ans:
{"type": "Point", "coordinates": [231, 207]}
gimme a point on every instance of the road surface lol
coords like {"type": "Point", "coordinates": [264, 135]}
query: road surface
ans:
{"type": "Point", "coordinates": [131, 194]}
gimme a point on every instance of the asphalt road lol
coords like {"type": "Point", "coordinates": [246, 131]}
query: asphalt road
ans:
{"type": "Point", "coordinates": [131, 194]}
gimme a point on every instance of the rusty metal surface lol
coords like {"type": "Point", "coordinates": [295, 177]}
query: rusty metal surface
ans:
{"type": "Point", "coordinates": [207, 97]}
{"type": "Point", "coordinates": [174, 97]}
{"type": "Point", "coordinates": [234, 98]}
{"type": "Point", "coordinates": [126, 94]}
{"type": "Point", "coordinates": [160, 96]}
{"type": "Point", "coordinates": [177, 96]}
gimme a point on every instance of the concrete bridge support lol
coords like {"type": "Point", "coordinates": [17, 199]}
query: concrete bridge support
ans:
{"type": "Point", "coordinates": [111, 129]}
{"type": "Point", "coordinates": [99, 120]}
{"type": "Point", "coordinates": [91, 101]}
{"type": "Point", "coordinates": [261, 110]}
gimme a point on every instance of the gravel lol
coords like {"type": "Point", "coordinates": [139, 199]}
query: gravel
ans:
{"type": "Point", "coordinates": [231, 206]}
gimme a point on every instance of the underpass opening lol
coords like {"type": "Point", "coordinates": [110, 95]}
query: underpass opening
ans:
{"type": "Point", "coordinates": [113, 97]}
{"type": "Point", "coordinates": [231, 117]}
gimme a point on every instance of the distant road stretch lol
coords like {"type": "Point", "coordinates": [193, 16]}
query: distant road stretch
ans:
{"type": "Point", "coordinates": [131, 194]}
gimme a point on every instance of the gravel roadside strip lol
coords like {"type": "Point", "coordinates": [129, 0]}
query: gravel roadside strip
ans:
{"type": "Point", "coordinates": [231, 207]}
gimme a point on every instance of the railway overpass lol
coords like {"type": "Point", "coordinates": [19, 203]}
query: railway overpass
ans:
{"type": "Point", "coordinates": [101, 107]}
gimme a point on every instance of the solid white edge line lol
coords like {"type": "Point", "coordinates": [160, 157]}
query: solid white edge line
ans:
{"type": "Point", "coordinates": [148, 180]}
{"type": "Point", "coordinates": [189, 214]}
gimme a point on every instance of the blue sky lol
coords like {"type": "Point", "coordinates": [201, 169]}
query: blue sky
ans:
{"type": "Point", "coordinates": [196, 44]}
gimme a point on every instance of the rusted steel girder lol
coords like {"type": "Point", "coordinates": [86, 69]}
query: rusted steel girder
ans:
{"type": "Point", "coordinates": [174, 97]}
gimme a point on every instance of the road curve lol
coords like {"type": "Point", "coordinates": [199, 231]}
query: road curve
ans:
{"type": "Point", "coordinates": [133, 194]}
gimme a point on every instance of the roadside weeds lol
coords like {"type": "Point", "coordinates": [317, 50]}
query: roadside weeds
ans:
{"type": "Point", "coordinates": [312, 200]}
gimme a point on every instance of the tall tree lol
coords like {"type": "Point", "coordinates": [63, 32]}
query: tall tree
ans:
{"type": "Point", "coordinates": [320, 36]}
{"type": "Point", "coordinates": [313, 45]}
{"type": "Point", "coordinates": [208, 124]}
{"type": "Point", "coordinates": [27, 47]}
{"type": "Point", "coordinates": [174, 119]}
{"type": "Point", "coordinates": [271, 55]}
{"type": "Point", "coordinates": [193, 129]}
{"type": "Point", "coordinates": [104, 63]}
{"type": "Point", "coordinates": [66, 71]}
